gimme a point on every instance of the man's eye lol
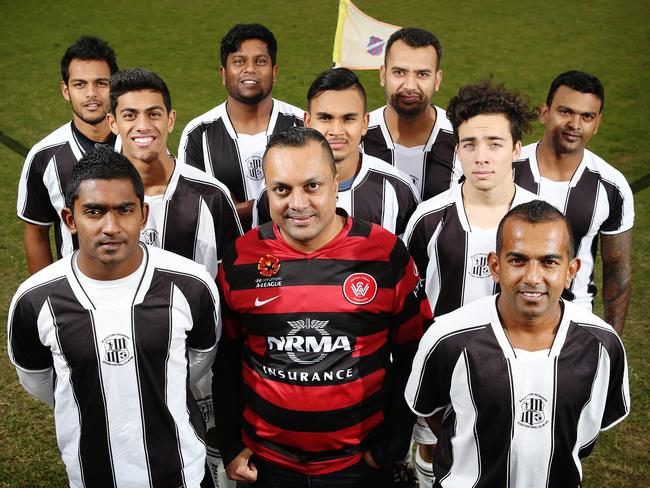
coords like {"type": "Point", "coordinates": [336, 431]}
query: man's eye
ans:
{"type": "Point", "coordinates": [469, 146]}
{"type": "Point", "coordinates": [154, 115]}
{"type": "Point", "coordinates": [313, 186]}
{"type": "Point", "coordinates": [128, 116]}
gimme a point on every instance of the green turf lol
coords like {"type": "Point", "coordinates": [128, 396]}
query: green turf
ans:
{"type": "Point", "coordinates": [524, 44]}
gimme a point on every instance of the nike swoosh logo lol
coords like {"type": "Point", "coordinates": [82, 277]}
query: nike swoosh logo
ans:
{"type": "Point", "coordinates": [259, 303]}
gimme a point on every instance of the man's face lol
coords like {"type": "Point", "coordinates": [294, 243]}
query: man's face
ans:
{"type": "Point", "coordinates": [142, 121]}
{"type": "Point", "coordinates": [107, 220]}
{"type": "Point", "coordinates": [249, 74]}
{"type": "Point", "coordinates": [302, 195]}
{"type": "Point", "coordinates": [532, 269]}
{"type": "Point", "coordinates": [410, 78]}
{"type": "Point", "coordinates": [486, 151]}
{"type": "Point", "coordinates": [340, 116]}
{"type": "Point", "coordinates": [571, 120]}
{"type": "Point", "coordinates": [87, 89]}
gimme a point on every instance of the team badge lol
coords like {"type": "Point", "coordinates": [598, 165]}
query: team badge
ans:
{"type": "Point", "coordinates": [375, 46]}
{"type": "Point", "coordinates": [254, 168]}
{"type": "Point", "coordinates": [150, 237]}
{"type": "Point", "coordinates": [360, 288]}
{"type": "Point", "coordinates": [479, 266]}
{"type": "Point", "coordinates": [117, 350]}
{"type": "Point", "coordinates": [532, 411]}
{"type": "Point", "coordinates": [268, 265]}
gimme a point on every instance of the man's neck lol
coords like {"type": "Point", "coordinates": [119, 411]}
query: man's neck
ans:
{"type": "Point", "coordinates": [250, 119]}
{"type": "Point", "coordinates": [410, 132]}
{"type": "Point", "coordinates": [96, 133]}
{"type": "Point", "coordinates": [557, 166]}
{"type": "Point", "coordinates": [486, 208]}
{"type": "Point", "coordinates": [349, 167]}
{"type": "Point", "coordinates": [533, 334]}
{"type": "Point", "coordinates": [155, 174]}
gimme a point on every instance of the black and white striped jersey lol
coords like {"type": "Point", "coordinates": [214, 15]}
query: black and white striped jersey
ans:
{"type": "Point", "coordinates": [211, 144]}
{"type": "Point", "coordinates": [380, 194]}
{"type": "Point", "coordinates": [195, 218]}
{"type": "Point", "coordinates": [123, 410]}
{"type": "Point", "coordinates": [451, 255]}
{"type": "Point", "coordinates": [515, 418]}
{"type": "Point", "coordinates": [45, 174]}
{"type": "Point", "coordinates": [597, 200]}
{"type": "Point", "coordinates": [437, 169]}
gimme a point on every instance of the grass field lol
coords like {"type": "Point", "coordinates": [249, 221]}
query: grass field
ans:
{"type": "Point", "coordinates": [524, 44]}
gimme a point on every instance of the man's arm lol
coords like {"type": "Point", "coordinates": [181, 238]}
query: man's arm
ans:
{"type": "Point", "coordinates": [245, 212]}
{"type": "Point", "coordinates": [36, 239]}
{"type": "Point", "coordinates": [39, 384]}
{"type": "Point", "coordinates": [616, 253]}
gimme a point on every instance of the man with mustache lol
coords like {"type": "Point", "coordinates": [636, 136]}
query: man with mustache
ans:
{"type": "Point", "coordinates": [595, 196]}
{"type": "Point", "coordinates": [409, 132]}
{"type": "Point", "coordinates": [228, 141]}
{"type": "Point", "coordinates": [86, 68]}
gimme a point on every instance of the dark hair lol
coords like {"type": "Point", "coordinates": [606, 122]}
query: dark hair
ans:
{"type": "Point", "coordinates": [578, 81]}
{"type": "Point", "coordinates": [88, 48]}
{"type": "Point", "coordinates": [137, 79]}
{"type": "Point", "coordinates": [535, 212]}
{"type": "Point", "coordinates": [102, 164]}
{"type": "Point", "coordinates": [414, 37]}
{"type": "Point", "coordinates": [242, 32]}
{"type": "Point", "coordinates": [300, 137]}
{"type": "Point", "coordinates": [335, 79]}
{"type": "Point", "coordinates": [485, 98]}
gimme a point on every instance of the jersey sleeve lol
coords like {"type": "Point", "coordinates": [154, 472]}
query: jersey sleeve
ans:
{"type": "Point", "coordinates": [190, 148]}
{"type": "Point", "coordinates": [261, 212]}
{"type": "Point", "coordinates": [621, 206]}
{"type": "Point", "coordinates": [408, 198]}
{"type": "Point", "coordinates": [227, 225]}
{"type": "Point", "coordinates": [204, 301]}
{"type": "Point", "coordinates": [33, 203]}
{"type": "Point", "coordinates": [617, 405]}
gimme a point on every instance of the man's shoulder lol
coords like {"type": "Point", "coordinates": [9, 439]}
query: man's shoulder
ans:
{"type": "Point", "coordinates": [377, 116]}
{"type": "Point", "coordinates": [436, 204]}
{"type": "Point", "coordinates": [442, 121]}
{"type": "Point", "coordinates": [201, 180]}
{"type": "Point", "coordinates": [204, 120]}
{"type": "Point", "coordinates": [286, 108]}
{"type": "Point", "coordinates": [377, 165]}
{"type": "Point", "coordinates": [43, 282]}
{"type": "Point", "coordinates": [605, 170]}
{"type": "Point", "coordinates": [51, 143]}
{"type": "Point", "coordinates": [596, 327]}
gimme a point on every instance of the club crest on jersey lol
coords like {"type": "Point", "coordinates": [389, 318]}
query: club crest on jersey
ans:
{"type": "Point", "coordinates": [254, 168]}
{"type": "Point", "coordinates": [117, 350]}
{"type": "Point", "coordinates": [360, 288]}
{"type": "Point", "coordinates": [308, 342]}
{"type": "Point", "coordinates": [375, 46]}
{"type": "Point", "coordinates": [150, 237]}
{"type": "Point", "coordinates": [478, 267]}
{"type": "Point", "coordinates": [533, 408]}
{"type": "Point", "coordinates": [268, 265]}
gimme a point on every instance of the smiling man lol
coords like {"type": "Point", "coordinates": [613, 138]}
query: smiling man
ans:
{"type": "Point", "coordinates": [409, 132]}
{"type": "Point", "coordinates": [112, 336]}
{"type": "Point", "coordinates": [593, 194]}
{"type": "Point", "coordinates": [523, 381]}
{"type": "Point", "coordinates": [451, 235]}
{"type": "Point", "coordinates": [369, 188]}
{"type": "Point", "coordinates": [316, 304]}
{"type": "Point", "coordinates": [86, 68]}
{"type": "Point", "coordinates": [228, 141]}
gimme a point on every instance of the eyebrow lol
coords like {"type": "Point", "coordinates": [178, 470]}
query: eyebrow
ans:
{"type": "Point", "coordinates": [519, 255]}
{"type": "Point", "coordinates": [100, 206]}
{"type": "Point", "coordinates": [593, 114]}
{"type": "Point", "coordinates": [489, 138]}
{"type": "Point", "coordinates": [148, 109]}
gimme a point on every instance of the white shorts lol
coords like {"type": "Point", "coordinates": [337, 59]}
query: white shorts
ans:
{"type": "Point", "coordinates": [422, 434]}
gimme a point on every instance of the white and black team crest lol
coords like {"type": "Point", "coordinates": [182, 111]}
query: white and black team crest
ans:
{"type": "Point", "coordinates": [150, 237]}
{"type": "Point", "coordinates": [254, 168]}
{"type": "Point", "coordinates": [532, 411]}
{"type": "Point", "coordinates": [117, 350]}
{"type": "Point", "coordinates": [479, 266]}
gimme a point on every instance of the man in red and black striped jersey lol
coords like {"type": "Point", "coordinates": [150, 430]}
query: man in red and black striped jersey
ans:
{"type": "Point", "coordinates": [316, 303]}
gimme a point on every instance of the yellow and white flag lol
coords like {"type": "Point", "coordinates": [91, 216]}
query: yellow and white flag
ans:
{"type": "Point", "coordinates": [360, 40]}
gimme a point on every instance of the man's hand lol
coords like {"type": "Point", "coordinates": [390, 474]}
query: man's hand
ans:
{"type": "Point", "coordinates": [241, 469]}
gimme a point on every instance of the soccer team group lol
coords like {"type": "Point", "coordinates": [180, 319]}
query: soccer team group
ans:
{"type": "Point", "coordinates": [413, 276]}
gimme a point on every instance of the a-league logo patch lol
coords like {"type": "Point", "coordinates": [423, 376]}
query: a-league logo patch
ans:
{"type": "Point", "coordinates": [360, 288]}
{"type": "Point", "coordinates": [533, 411]}
{"type": "Point", "coordinates": [117, 350]}
{"type": "Point", "coordinates": [375, 46]}
{"type": "Point", "coordinates": [478, 267]}
{"type": "Point", "coordinates": [254, 168]}
{"type": "Point", "coordinates": [268, 265]}
{"type": "Point", "coordinates": [150, 237]}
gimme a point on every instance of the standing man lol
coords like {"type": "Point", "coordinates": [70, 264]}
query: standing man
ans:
{"type": "Point", "coordinates": [228, 141]}
{"type": "Point", "coordinates": [409, 132]}
{"type": "Point", "coordinates": [525, 380]}
{"type": "Point", "coordinates": [594, 196]}
{"type": "Point", "coordinates": [317, 303]}
{"type": "Point", "coordinates": [112, 336]}
{"type": "Point", "coordinates": [190, 213]}
{"type": "Point", "coordinates": [369, 188]}
{"type": "Point", "coordinates": [86, 68]}
{"type": "Point", "coordinates": [451, 235]}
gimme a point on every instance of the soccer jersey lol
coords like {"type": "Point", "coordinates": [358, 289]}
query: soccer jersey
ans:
{"type": "Point", "coordinates": [380, 193]}
{"type": "Point", "coordinates": [513, 419]}
{"type": "Point", "coordinates": [123, 411]}
{"type": "Point", "coordinates": [450, 254]}
{"type": "Point", "coordinates": [597, 200]}
{"type": "Point", "coordinates": [45, 174]}
{"type": "Point", "coordinates": [436, 168]}
{"type": "Point", "coordinates": [319, 388]}
{"type": "Point", "coordinates": [195, 217]}
{"type": "Point", "coordinates": [210, 143]}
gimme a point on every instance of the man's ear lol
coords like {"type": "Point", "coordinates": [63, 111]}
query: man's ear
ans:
{"type": "Point", "coordinates": [64, 90]}
{"type": "Point", "coordinates": [112, 123]}
{"type": "Point", "coordinates": [145, 215]}
{"type": "Point", "coordinates": [68, 220]}
{"type": "Point", "coordinates": [493, 264]}
{"type": "Point", "coordinates": [572, 270]}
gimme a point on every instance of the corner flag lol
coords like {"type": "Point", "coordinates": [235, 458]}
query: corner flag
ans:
{"type": "Point", "coordinates": [360, 40]}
